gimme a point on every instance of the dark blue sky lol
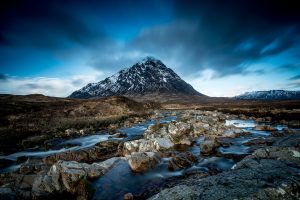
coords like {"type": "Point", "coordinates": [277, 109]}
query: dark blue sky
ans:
{"type": "Point", "coordinates": [222, 48]}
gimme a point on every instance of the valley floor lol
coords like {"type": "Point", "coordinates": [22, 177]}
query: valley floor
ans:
{"type": "Point", "coordinates": [116, 148]}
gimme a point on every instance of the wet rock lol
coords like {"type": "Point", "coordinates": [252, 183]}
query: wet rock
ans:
{"type": "Point", "coordinates": [101, 151]}
{"type": "Point", "coordinates": [128, 196]}
{"type": "Point", "coordinates": [151, 145]}
{"type": "Point", "coordinates": [208, 146]}
{"type": "Point", "coordinates": [119, 135]}
{"type": "Point", "coordinates": [179, 192]}
{"type": "Point", "coordinates": [162, 144]}
{"type": "Point", "coordinates": [292, 140]}
{"type": "Point", "coordinates": [265, 179]}
{"type": "Point", "coordinates": [141, 162]}
{"type": "Point", "coordinates": [6, 193]}
{"type": "Point", "coordinates": [69, 176]}
{"type": "Point", "coordinates": [179, 132]}
{"type": "Point", "coordinates": [234, 132]}
{"type": "Point", "coordinates": [25, 181]}
{"type": "Point", "coordinates": [264, 128]}
{"type": "Point", "coordinates": [260, 141]}
{"type": "Point", "coordinates": [32, 166]}
{"type": "Point", "coordinates": [182, 160]}
{"type": "Point", "coordinates": [289, 155]}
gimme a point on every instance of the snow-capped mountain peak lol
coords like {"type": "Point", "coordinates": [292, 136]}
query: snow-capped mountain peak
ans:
{"type": "Point", "coordinates": [147, 76]}
{"type": "Point", "coordinates": [270, 95]}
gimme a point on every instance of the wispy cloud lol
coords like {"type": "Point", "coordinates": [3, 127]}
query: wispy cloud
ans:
{"type": "Point", "coordinates": [60, 87]}
{"type": "Point", "coordinates": [297, 77]}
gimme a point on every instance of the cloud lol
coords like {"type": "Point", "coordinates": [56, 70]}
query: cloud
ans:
{"type": "Point", "coordinates": [289, 67]}
{"type": "Point", "coordinates": [48, 86]}
{"type": "Point", "coordinates": [49, 25]}
{"type": "Point", "coordinates": [226, 37]}
{"type": "Point", "coordinates": [297, 77]}
{"type": "Point", "coordinates": [3, 77]}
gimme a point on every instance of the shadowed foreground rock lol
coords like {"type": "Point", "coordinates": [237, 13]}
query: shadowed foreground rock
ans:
{"type": "Point", "coordinates": [268, 179]}
{"type": "Point", "coordinates": [269, 173]}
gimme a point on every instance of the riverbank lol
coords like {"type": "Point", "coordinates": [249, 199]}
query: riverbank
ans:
{"type": "Point", "coordinates": [32, 120]}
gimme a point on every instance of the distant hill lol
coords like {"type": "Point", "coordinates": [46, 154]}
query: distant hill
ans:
{"type": "Point", "coordinates": [270, 95]}
{"type": "Point", "coordinates": [145, 77]}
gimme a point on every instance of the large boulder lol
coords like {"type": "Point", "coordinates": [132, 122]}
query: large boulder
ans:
{"type": "Point", "coordinates": [150, 145]}
{"type": "Point", "coordinates": [68, 176]}
{"type": "Point", "coordinates": [289, 155]}
{"type": "Point", "coordinates": [143, 161]}
{"type": "Point", "coordinates": [208, 146]}
{"type": "Point", "coordinates": [182, 160]}
{"type": "Point", "coordinates": [180, 132]}
{"type": "Point", "coordinates": [266, 179]}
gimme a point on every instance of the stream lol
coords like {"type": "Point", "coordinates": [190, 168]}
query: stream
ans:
{"type": "Point", "coordinates": [121, 180]}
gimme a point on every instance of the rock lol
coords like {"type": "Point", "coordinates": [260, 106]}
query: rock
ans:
{"type": "Point", "coordinates": [179, 192]}
{"type": "Point", "coordinates": [69, 176]}
{"type": "Point", "coordinates": [71, 132]}
{"type": "Point", "coordinates": [182, 160]}
{"type": "Point", "coordinates": [101, 151]}
{"type": "Point", "coordinates": [127, 123]}
{"type": "Point", "coordinates": [119, 135]}
{"type": "Point", "coordinates": [128, 196]}
{"type": "Point", "coordinates": [208, 146]}
{"type": "Point", "coordinates": [234, 132]}
{"type": "Point", "coordinates": [264, 128]}
{"type": "Point", "coordinates": [162, 144]}
{"type": "Point", "coordinates": [32, 165]}
{"type": "Point", "coordinates": [289, 155]}
{"type": "Point", "coordinates": [141, 162]}
{"type": "Point", "coordinates": [259, 119]}
{"type": "Point", "coordinates": [6, 193]}
{"type": "Point", "coordinates": [151, 145]}
{"type": "Point", "coordinates": [264, 179]}
{"type": "Point", "coordinates": [292, 140]}
{"type": "Point", "coordinates": [113, 127]}
{"type": "Point", "coordinates": [25, 181]}
{"type": "Point", "coordinates": [259, 141]}
{"type": "Point", "coordinates": [178, 130]}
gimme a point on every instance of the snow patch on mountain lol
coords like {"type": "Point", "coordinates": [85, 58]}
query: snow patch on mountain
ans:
{"type": "Point", "coordinates": [270, 95]}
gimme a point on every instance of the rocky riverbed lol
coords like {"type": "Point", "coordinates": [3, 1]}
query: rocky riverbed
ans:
{"type": "Point", "coordinates": [185, 154]}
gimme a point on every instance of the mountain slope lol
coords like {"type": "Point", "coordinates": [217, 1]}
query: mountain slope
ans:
{"type": "Point", "coordinates": [270, 95]}
{"type": "Point", "coordinates": [148, 76]}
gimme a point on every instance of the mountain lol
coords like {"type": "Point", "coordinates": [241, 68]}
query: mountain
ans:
{"type": "Point", "coordinates": [270, 95]}
{"type": "Point", "coordinates": [145, 77]}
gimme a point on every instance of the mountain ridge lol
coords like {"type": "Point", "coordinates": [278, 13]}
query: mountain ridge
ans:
{"type": "Point", "coordinates": [269, 95]}
{"type": "Point", "coordinates": [149, 75]}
